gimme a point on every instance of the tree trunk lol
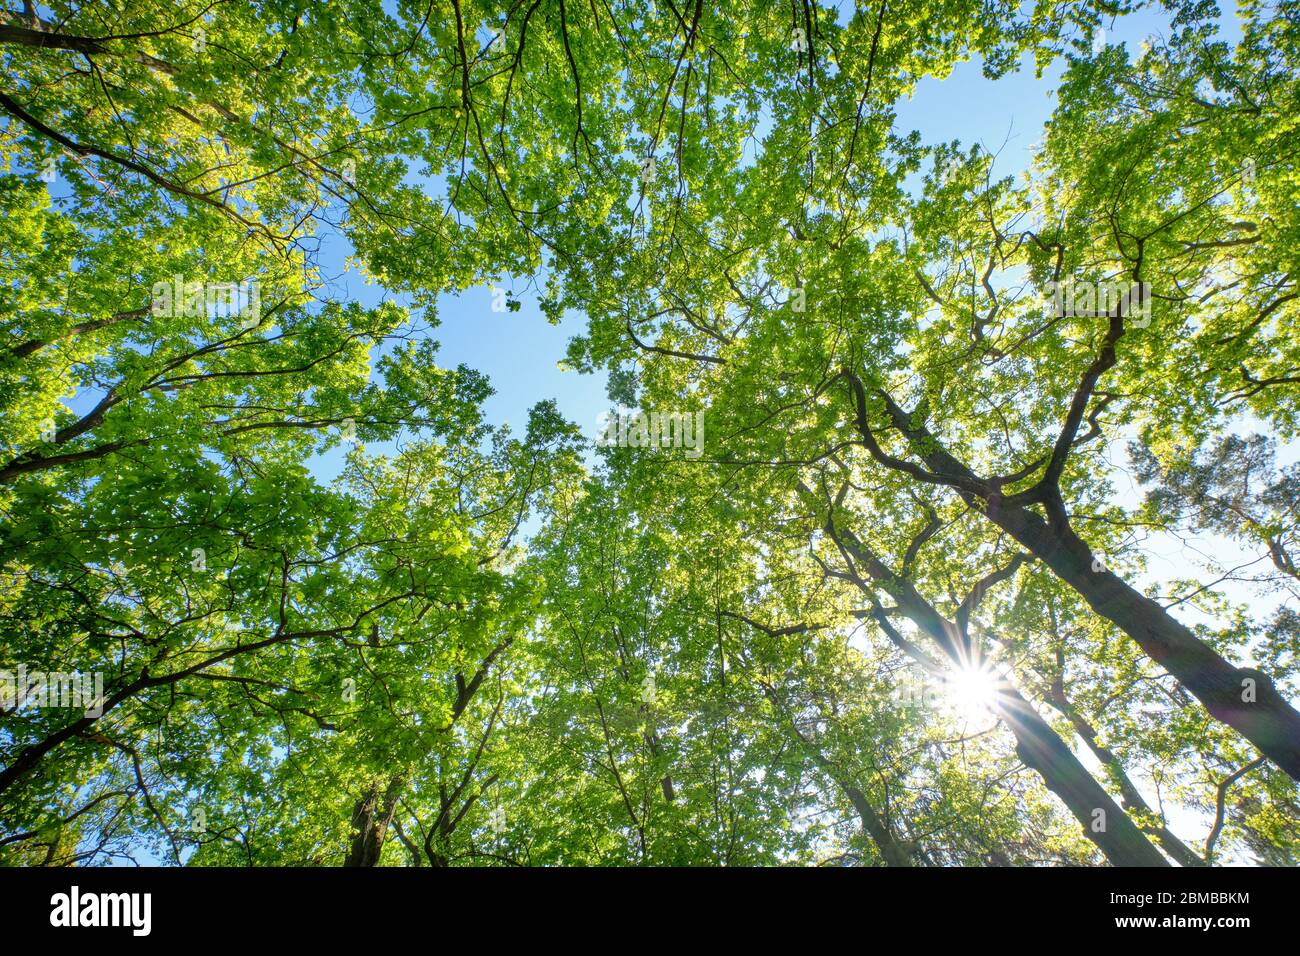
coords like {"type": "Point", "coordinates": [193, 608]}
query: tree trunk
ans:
{"type": "Point", "coordinates": [370, 822]}
{"type": "Point", "coordinates": [891, 851]}
{"type": "Point", "coordinates": [1130, 797]}
{"type": "Point", "coordinates": [1043, 750]}
{"type": "Point", "coordinates": [1243, 698]}
{"type": "Point", "coordinates": [872, 825]}
{"type": "Point", "coordinates": [1037, 744]}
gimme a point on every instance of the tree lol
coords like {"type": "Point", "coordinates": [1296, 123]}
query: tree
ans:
{"type": "Point", "coordinates": [801, 319]}
{"type": "Point", "coordinates": [906, 376]}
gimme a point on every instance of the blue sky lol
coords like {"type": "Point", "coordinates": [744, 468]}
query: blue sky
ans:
{"type": "Point", "coordinates": [520, 351]}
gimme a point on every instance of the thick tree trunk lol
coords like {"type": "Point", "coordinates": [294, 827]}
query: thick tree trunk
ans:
{"type": "Point", "coordinates": [370, 822]}
{"type": "Point", "coordinates": [1243, 698]}
{"type": "Point", "coordinates": [1103, 820]}
{"type": "Point", "coordinates": [1037, 744]}
{"type": "Point", "coordinates": [1130, 797]}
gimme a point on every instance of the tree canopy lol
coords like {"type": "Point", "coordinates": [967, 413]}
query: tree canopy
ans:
{"type": "Point", "coordinates": [863, 567]}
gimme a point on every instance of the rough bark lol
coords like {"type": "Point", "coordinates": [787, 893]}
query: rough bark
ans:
{"type": "Point", "coordinates": [370, 821]}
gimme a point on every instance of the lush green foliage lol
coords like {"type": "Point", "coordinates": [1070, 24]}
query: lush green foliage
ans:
{"type": "Point", "coordinates": [902, 608]}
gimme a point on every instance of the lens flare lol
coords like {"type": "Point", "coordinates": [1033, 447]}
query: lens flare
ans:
{"type": "Point", "coordinates": [971, 691]}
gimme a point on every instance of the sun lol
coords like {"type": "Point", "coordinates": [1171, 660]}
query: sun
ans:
{"type": "Point", "coordinates": [971, 691]}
